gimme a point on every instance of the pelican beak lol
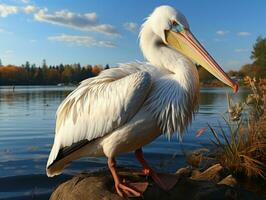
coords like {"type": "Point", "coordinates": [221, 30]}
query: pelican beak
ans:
{"type": "Point", "coordinates": [187, 44]}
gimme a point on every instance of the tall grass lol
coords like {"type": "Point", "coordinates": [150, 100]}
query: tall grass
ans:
{"type": "Point", "coordinates": [241, 146]}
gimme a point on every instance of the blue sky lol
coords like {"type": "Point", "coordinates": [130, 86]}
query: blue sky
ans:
{"type": "Point", "coordinates": [100, 32]}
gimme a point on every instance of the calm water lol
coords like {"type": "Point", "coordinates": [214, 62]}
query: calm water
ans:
{"type": "Point", "coordinates": [27, 121]}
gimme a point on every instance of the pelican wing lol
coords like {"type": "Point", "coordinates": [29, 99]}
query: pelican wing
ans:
{"type": "Point", "coordinates": [99, 106]}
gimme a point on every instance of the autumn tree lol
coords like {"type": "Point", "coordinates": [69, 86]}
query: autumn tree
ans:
{"type": "Point", "coordinates": [249, 70]}
{"type": "Point", "coordinates": [12, 75]}
{"type": "Point", "coordinates": [97, 69]}
{"type": "Point", "coordinates": [233, 73]}
{"type": "Point", "coordinates": [52, 76]}
{"type": "Point", "coordinates": [29, 74]}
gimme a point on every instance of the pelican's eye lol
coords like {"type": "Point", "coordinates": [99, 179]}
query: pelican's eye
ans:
{"type": "Point", "coordinates": [174, 23]}
{"type": "Point", "coordinates": [177, 27]}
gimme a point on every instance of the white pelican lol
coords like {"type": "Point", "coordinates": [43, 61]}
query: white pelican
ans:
{"type": "Point", "coordinates": [125, 108]}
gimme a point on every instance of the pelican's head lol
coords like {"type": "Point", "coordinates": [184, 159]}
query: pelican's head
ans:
{"type": "Point", "coordinates": [171, 28]}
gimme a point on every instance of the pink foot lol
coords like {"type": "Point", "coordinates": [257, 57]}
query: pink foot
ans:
{"type": "Point", "coordinates": [164, 181]}
{"type": "Point", "coordinates": [125, 189]}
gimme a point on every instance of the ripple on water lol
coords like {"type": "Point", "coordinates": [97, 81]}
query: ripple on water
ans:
{"type": "Point", "coordinates": [27, 119]}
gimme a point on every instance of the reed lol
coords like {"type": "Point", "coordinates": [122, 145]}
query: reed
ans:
{"type": "Point", "coordinates": [242, 144]}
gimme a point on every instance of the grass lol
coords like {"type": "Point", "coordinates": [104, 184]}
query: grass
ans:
{"type": "Point", "coordinates": [241, 146]}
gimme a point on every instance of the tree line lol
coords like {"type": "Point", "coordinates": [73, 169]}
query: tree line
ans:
{"type": "Point", "coordinates": [30, 74]}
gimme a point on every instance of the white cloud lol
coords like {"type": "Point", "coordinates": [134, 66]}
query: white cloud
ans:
{"type": "Point", "coordinates": [220, 39]}
{"type": "Point", "coordinates": [25, 1]}
{"type": "Point", "coordinates": [240, 50]}
{"type": "Point", "coordinates": [233, 62]}
{"type": "Point", "coordinates": [6, 10]}
{"type": "Point", "coordinates": [9, 51]}
{"type": "Point", "coordinates": [243, 34]}
{"type": "Point", "coordinates": [84, 22]}
{"type": "Point", "coordinates": [222, 32]}
{"type": "Point", "coordinates": [131, 26]}
{"type": "Point", "coordinates": [7, 54]}
{"type": "Point", "coordinates": [29, 9]}
{"type": "Point", "coordinates": [33, 41]}
{"type": "Point", "coordinates": [81, 40]}
{"type": "Point", "coordinates": [5, 31]}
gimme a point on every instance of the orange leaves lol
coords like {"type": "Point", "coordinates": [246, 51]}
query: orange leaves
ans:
{"type": "Point", "coordinates": [12, 73]}
{"type": "Point", "coordinates": [96, 69]}
{"type": "Point", "coordinates": [200, 132]}
{"type": "Point", "coordinates": [10, 68]}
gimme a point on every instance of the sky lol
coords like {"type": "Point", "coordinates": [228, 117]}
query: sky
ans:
{"type": "Point", "coordinates": [106, 31]}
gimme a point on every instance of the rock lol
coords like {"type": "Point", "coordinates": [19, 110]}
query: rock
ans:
{"type": "Point", "coordinates": [195, 173]}
{"type": "Point", "coordinates": [207, 162]}
{"type": "Point", "coordinates": [86, 186]}
{"type": "Point", "coordinates": [195, 158]}
{"type": "Point", "coordinates": [215, 173]}
{"type": "Point", "coordinates": [200, 159]}
{"type": "Point", "coordinates": [184, 172]}
{"type": "Point", "coordinates": [229, 180]}
{"type": "Point", "coordinates": [100, 186]}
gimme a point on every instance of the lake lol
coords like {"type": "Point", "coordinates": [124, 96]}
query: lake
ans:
{"type": "Point", "coordinates": [27, 121]}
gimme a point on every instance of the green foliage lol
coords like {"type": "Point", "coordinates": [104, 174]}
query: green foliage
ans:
{"type": "Point", "coordinates": [234, 73]}
{"type": "Point", "coordinates": [249, 70]}
{"type": "Point", "coordinates": [107, 66]}
{"type": "Point", "coordinates": [259, 52]}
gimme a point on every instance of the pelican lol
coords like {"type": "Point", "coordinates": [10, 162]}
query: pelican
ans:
{"type": "Point", "coordinates": [125, 108]}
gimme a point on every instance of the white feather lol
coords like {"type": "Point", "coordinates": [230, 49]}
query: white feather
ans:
{"type": "Point", "coordinates": [127, 107]}
{"type": "Point", "coordinates": [99, 106]}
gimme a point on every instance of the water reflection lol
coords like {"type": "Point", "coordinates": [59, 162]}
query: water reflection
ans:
{"type": "Point", "coordinates": [207, 97]}
{"type": "Point", "coordinates": [41, 95]}
{"type": "Point", "coordinates": [27, 121]}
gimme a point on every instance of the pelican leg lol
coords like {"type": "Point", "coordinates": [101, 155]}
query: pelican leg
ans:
{"type": "Point", "coordinates": [165, 181]}
{"type": "Point", "coordinates": [147, 170]}
{"type": "Point", "coordinates": [122, 189]}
